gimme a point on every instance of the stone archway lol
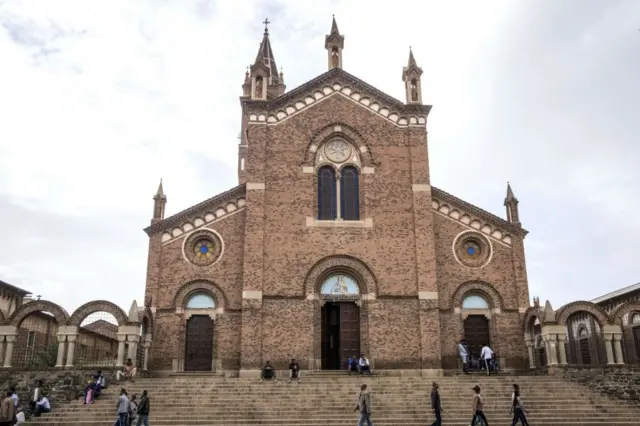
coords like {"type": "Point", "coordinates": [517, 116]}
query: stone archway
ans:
{"type": "Point", "coordinates": [338, 130]}
{"type": "Point", "coordinates": [627, 317]}
{"type": "Point", "coordinates": [97, 306]}
{"type": "Point", "coordinates": [59, 313]}
{"type": "Point", "coordinates": [350, 305]}
{"type": "Point", "coordinates": [569, 309]}
{"type": "Point", "coordinates": [584, 324]}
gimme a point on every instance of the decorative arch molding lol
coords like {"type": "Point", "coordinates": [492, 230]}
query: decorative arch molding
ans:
{"type": "Point", "coordinates": [626, 308]}
{"type": "Point", "coordinates": [98, 306]}
{"type": "Point", "coordinates": [146, 313]}
{"type": "Point", "coordinates": [531, 314]}
{"type": "Point", "coordinates": [563, 314]}
{"type": "Point", "coordinates": [195, 286]}
{"type": "Point", "coordinates": [343, 131]}
{"type": "Point", "coordinates": [58, 312]}
{"type": "Point", "coordinates": [340, 264]}
{"type": "Point", "coordinates": [477, 287]}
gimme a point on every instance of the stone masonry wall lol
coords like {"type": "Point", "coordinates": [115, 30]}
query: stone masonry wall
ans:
{"type": "Point", "coordinates": [60, 386]}
{"type": "Point", "coordinates": [617, 382]}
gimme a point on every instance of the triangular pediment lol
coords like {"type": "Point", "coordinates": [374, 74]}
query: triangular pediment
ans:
{"type": "Point", "coordinates": [206, 212]}
{"type": "Point", "coordinates": [474, 217]}
{"type": "Point", "coordinates": [336, 82]}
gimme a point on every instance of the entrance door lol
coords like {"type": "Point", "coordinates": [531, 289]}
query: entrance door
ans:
{"type": "Point", "coordinates": [340, 334]}
{"type": "Point", "coordinates": [199, 347]}
{"type": "Point", "coordinates": [476, 332]}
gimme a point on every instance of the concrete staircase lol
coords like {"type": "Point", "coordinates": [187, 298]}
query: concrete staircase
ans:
{"type": "Point", "coordinates": [328, 399]}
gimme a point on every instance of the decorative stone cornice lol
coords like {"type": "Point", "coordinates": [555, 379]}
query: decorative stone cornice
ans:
{"type": "Point", "coordinates": [206, 212]}
{"type": "Point", "coordinates": [474, 217]}
{"type": "Point", "coordinates": [336, 82]}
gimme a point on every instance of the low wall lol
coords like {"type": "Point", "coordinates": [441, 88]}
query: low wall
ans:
{"type": "Point", "coordinates": [617, 382]}
{"type": "Point", "coordinates": [60, 386]}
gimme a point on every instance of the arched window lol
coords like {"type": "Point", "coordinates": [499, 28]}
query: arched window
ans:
{"type": "Point", "coordinates": [349, 194]}
{"type": "Point", "coordinates": [201, 301]}
{"type": "Point", "coordinates": [326, 193]}
{"type": "Point", "coordinates": [474, 301]}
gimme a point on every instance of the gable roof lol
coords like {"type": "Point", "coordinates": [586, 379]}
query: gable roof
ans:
{"type": "Point", "coordinates": [13, 289]}
{"type": "Point", "coordinates": [330, 77]}
{"type": "Point", "coordinates": [620, 292]}
{"type": "Point", "coordinates": [470, 208]}
{"type": "Point", "coordinates": [178, 218]}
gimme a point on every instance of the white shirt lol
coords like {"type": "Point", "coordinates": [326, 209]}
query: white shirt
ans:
{"type": "Point", "coordinates": [486, 353]}
{"type": "Point", "coordinates": [20, 417]}
{"type": "Point", "coordinates": [36, 393]}
{"type": "Point", "coordinates": [44, 403]}
{"type": "Point", "coordinates": [16, 400]}
{"type": "Point", "coordinates": [364, 361]}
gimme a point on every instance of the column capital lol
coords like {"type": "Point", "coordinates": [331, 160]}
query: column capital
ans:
{"type": "Point", "coordinates": [62, 338]}
{"type": "Point", "coordinates": [11, 338]}
{"type": "Point", "coordinates": [608, 336]}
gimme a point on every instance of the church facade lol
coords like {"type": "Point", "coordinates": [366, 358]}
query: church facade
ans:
{"type": "Point", "coordinates": [334, 243]}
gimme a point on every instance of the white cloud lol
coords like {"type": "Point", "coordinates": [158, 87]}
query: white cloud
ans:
{"type": "Point", "coordinates": [101, 99]}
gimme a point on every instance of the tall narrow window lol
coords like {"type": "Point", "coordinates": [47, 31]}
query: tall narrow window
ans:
{"type": "Point", "coordinates": [349, 194]}
{"type": "Point", "coordinates": [326, 193]}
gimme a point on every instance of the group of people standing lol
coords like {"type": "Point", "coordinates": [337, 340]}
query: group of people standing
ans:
{"type": "Point", "coordinates": [130, 411]}
{"type": "Point", "coordinates": [487, 359]}
{"type": "Point", "coordinates": [517, 409]}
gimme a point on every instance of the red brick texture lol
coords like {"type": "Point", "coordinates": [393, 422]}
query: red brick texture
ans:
{"type": "Point", "coordinates": [269, 248]}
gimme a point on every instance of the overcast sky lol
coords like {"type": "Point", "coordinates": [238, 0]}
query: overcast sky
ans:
{"type": "Point", "coordinates": [100, 99]}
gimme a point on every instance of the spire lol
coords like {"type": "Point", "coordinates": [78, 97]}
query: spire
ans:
{"type": "Point", "coordinates": [412, 60]}
{"type": "Point", "coordinates": [159, 204]}
{"type": "Point", "coordinates": [411, 75]}
{"type": "Point", "coordinates": [334, 43]}
{"type": "Point", "coordinates": [511, 203]}
{"type": "Point", "coordinates": [160, 192]}
{"type": "Point", "coordinates": [334, 27]}
{"type": "Point", "coordinates": [265, 54]}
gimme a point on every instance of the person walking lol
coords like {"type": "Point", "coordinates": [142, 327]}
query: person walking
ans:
{"type": "Point", "coordinates": [7, 410]}
{"type": "Point", "coordinates": [435, 404]}
{"type": "Point", "coordinates": [122, 405]}
{"type": "Point", "coordinates": [477, 408]}
{"type": "Point", "coordinates": [143, 410]}
{"type": "Point", "coordinates": [364, 405]}
{"type": "Point", "coordinates": [517, 409]}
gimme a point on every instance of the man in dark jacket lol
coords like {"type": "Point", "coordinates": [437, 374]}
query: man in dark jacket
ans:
{"type": "Point", "coordinates": [143, 410]}
{"type": "Point", "coordinates": [435, 405]}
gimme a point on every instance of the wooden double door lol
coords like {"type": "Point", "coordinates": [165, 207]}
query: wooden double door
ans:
{"type": "Point", "coordinates": [199, 344]}
{"type": "Point", "coordinates": [477, 333]}
{"type": "Point", "coordinates": [340, 334]}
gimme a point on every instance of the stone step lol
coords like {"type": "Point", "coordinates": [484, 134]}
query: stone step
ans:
{"type": "Point", "coordinates": [381, 421]}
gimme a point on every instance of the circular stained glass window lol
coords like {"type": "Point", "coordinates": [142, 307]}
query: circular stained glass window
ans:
{"type": "Point", "coordinates": [472, 249]}
{"type": "Point", "coordinates": [204, 248]}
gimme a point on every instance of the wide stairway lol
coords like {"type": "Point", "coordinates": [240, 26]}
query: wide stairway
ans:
{"type": "Point", "coordinates": [329, 399]}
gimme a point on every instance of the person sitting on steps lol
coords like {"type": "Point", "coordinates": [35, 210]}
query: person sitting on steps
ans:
{"type": "Point", "coordinates": [128, 372]}
{"type": "Point", "coordinates": [364, 365]}
{"type": "Point", "coordinates": [42, 406]}
{"type": "Point", "coordinates": [268, 373]}
{"type": "Point", "coordinates": [352, 364]}
{"type": "Point", "coordinates": [294, 371]}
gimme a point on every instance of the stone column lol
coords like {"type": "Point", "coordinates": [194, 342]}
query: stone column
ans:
{"type": "Point", "coordinates": [529, 343]}
{"type": "Point", "coordinates": [550, 342]}
{"type": "Point", "coordinates": [617, 346]}
{"type": "Point", "coordinates": [562, 350]}
{"type": "Point", "coordinates": [8, 355]}
{"type": "Point", "coordinates": [62, 339]}
{"type": "Point", "coordinates": [146, 345]}
{"type": "Point", "coordinates": [1, 348]}
{"type": "Point", "coordinates": [71, 348]}
{"type": "Point", "coordinates": [133, 346]}
{"type": "Point", "coordinates": [607, 344]}
{"type": "Point", "coordinates": [121, 342]}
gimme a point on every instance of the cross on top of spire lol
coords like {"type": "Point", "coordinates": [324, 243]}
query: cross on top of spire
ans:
{"type": "Point", "coordinates": [266, 25]}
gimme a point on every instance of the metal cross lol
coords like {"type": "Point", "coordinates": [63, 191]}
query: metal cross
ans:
{"type": "Point", "coordinates": [266, 22]}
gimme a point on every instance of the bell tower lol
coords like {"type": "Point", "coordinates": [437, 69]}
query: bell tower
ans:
{"type": "Point", "coordinates": [334, 43]}
{"type": "Point", "coordinates": [263, 81]}
{"type": "Point", "coordinates": [411, 76]}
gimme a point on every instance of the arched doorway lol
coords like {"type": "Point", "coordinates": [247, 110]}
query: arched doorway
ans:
{"type": "Point", "coordinates": [340, 321]}
{"type": "Point", "coordinates": [635, 330]}
{"type": "Point", "coordinates": [199, 339]}
{"type": "Point", "coordinates": [476, 324]}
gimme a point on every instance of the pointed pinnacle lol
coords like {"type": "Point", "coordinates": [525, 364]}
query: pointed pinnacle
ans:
{"type": "Point", "coordinates": [412, 60]}
{"type": "Point", "coordinates": [160, 191]}
{"type": "Point", "coordinates": [334, 26]}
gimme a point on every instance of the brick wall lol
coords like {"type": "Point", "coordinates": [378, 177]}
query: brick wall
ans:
{"type": "Point", "coordinates": [617, 382]}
